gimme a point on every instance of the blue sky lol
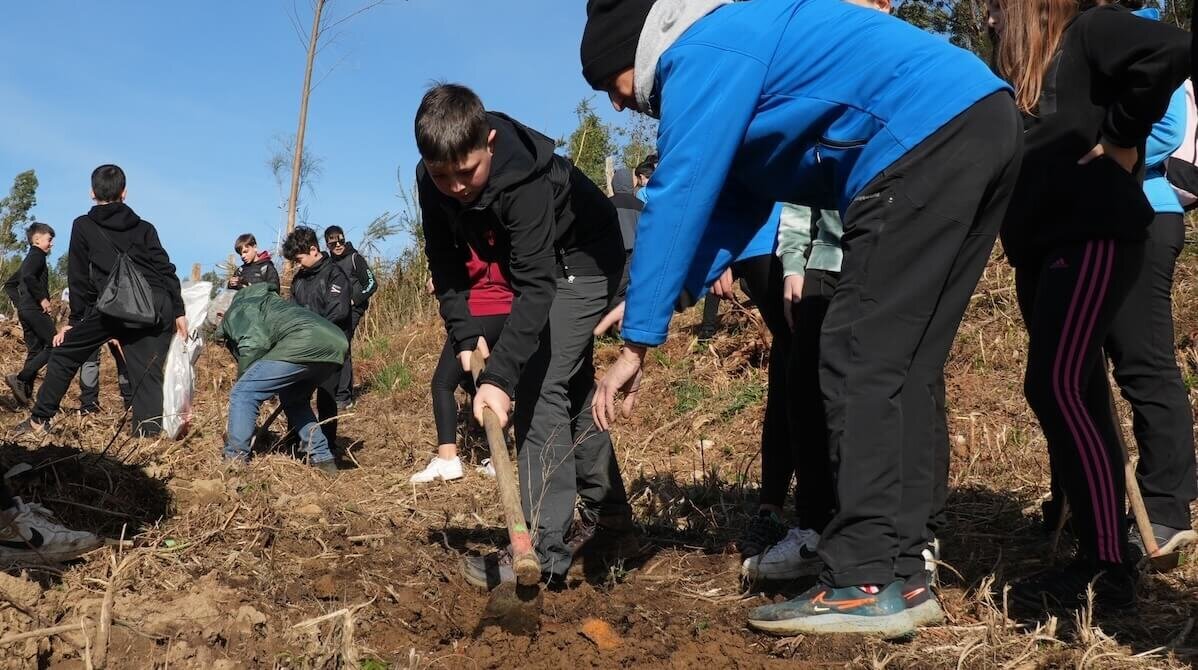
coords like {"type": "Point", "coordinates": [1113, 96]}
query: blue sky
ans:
{"type": "Point", "coordinates": [188, 96]}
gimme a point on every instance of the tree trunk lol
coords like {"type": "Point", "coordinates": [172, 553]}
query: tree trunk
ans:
{"type": "Point", "coordinates": [297, 160]}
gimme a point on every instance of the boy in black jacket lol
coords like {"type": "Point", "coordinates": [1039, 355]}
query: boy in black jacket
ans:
{"type": "Point", "coordinates": [484, 177]}
{"type": "Point", "coordinates": [361, 277]}
{"type": "Point", "coordinates": [321, 286]}
{"type": "Point", "coordinates": [97, 238]}
{"type": "Point", "coordinates": [257, 266]}
{"type": "Point", "coordinates": [29, 289]}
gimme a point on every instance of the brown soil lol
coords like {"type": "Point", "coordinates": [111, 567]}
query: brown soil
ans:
{"type": "Point", "coordinates": [275, 566]}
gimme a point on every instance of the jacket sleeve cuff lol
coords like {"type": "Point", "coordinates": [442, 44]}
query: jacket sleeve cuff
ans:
{"type": "Point", "coordinates": [642, 337]}
{"type": "Point", "coordinates": [1115, 130]}
{"type": "Point", "coordinates": [468, 344]}
{"type": "Point", "coordinates": [793, 264]}
{"type": "Point", "coordinates": [497, 380]}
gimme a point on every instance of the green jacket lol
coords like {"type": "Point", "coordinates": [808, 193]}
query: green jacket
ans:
{"type": "Point", "coordinates": [260, 325]}
{"type": "Point", "coordinates": [806, 244]}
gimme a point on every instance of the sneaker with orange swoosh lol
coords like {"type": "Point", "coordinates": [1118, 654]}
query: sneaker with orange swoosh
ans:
{"type": "Point", "coordinates": [826, 610]}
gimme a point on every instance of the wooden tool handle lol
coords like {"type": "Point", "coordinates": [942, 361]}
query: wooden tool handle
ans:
{"type": "Point", "coordinates": [524, 559]}
{"type": "Point", "coordinates": [1135, 500]}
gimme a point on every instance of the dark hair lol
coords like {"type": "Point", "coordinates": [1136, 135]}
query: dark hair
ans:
{"type": "Point", "coordinates": [108, 183]}
{"type": "Point", "coordinates": [243, 241]}
{"type": "Point", "coordinates": [450, 123]}
{"type": "Point", "coordinates": [333, 230]}
{"type": "Point", "coordinates": [38, 228]}
{"type": "Point", "coordinates": [645, 169]}
{"type": "Point", "coordinates": [299, 241]}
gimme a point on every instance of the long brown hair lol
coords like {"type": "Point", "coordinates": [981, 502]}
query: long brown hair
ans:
{"type": "Point", "coordinates": [1031, 34]}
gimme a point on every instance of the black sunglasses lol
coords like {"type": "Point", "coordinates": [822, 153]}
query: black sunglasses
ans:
{"type": "Point", "coordinates": [335, 242]}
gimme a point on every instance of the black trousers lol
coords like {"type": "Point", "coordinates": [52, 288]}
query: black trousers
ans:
{"type": "Point", "coordinates": [1069, 301]}
{"type": "Point", "coordinates": [145, 355]}
{"type": "Point", "coordinates": [89, 379]}
{"type": "Point", "coordinates": [916, 240]}
{"type": "Point", "coordinates": [761, 277]}
{"type": "Point", "coordinates": [1140, 343]}
{"type": "Point", "coordinates": [345, 383]}
{"type": "Point", "coordinates": [38, 329]}
{"type": "Point", "coordinates": [448, 376]}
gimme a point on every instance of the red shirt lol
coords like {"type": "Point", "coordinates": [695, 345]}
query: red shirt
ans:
{"type": "Point", "coordinates": [490, 292]}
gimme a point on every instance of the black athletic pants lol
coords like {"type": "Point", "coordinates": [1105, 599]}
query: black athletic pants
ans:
{"type": "Point", "coordinates": [916, 240]}
{"type": "Point", "coordinates": [345, 383]}
{"type": "Point", "coordinates": [815, 496]}
{"type": "Point", "coordinates": [761, 277]}
{"type": "Point", "coordinates": [449, 376]}
{"type": "Point", "coordinates": [1069, 301]}
{"type": "Point", "coordinates": [145, 355]}
{"type": "Point", "coordinates": [1141, 345]}
{"type": "Point", "coordinates": [38, 329]}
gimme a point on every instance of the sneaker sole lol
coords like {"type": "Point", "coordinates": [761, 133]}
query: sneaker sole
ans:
{"type": "Point", "coordinates": [927, 613]}
{"type": "Point", "coordinates": [890, 626]}
{"type": "Point", "coordinates": [437, 478]}
{"type": "Point", "coordinates": [12, 556]}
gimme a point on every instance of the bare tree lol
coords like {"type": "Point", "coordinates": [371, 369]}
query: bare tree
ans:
{"type": "Point", "coordinates": [322, 24]}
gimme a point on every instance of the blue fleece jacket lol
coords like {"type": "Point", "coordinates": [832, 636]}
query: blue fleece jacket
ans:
{"type": "Point", "coordinates": [1166, 136]}
{"type": "Point", "coordinates": [779, 101]}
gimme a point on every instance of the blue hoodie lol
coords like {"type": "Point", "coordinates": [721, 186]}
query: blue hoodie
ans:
{"type": "Point", "coordinates": [1166, 136]}
{"type": "Point", "coordinates": [770, 101]}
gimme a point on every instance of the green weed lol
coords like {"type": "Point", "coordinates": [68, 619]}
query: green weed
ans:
{"type": "Point", "coordinates": [395, 377]}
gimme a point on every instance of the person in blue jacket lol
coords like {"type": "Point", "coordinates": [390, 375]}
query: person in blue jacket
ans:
{"type": "Point", "coordinates": [832, 105]}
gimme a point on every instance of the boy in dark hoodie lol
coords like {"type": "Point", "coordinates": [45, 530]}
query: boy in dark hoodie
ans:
{"type": "Point", "coordinates": [321, 286]}
{"type": "Point", "coordinates": [29, 290]}
{"type": "Point", "coordinates": [97, 239]}
{"type": "Point", "coordinates": [361, 277]}
{"type": "Point", "coordinates": [257, 268]}
{"type": "Point", "coordinates": [483, 177]}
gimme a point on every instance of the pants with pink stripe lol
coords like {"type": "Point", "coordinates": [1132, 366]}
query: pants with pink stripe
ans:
{"type": "Point", "coordinates": [1068, 302]}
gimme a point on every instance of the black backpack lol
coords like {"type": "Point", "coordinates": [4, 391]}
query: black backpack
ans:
{"type": "Point", "coordinates": [126, 296]}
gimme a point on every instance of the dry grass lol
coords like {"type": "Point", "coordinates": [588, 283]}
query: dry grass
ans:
{"type": "Point", "coordinates": [274, 566]}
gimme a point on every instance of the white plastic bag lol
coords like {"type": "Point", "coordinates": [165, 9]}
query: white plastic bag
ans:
{"type": "Point", "coordinates": [178, 384]}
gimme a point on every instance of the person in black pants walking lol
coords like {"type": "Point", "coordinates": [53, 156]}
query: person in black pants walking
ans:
{"type": "Point", "coordinates": [1075, 234]}
{"type": "Point", "coordinates": [361, 278]}
{"type": "Point", "coordinates": [97, 238]}
{"type": "Point", "coordinates": [29, 290]}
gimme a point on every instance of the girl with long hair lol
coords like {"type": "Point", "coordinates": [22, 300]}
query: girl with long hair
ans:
{"type": "Point", "coordinates": [1090, 87]}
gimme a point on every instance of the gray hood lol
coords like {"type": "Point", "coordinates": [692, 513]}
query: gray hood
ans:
{"type": "Point", "coordinates": [666, 22]}
{"type": "Point", "coordinates": [621, 181]}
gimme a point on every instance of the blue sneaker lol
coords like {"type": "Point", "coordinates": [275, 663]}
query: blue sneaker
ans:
{"type": "Point", "coordinates": [825, 610]}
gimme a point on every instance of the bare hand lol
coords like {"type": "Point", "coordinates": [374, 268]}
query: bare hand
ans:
{"type": "Point", "coordinates": [464, 357]}
{"type": "Point", "coordinates": [181, 327]}
{"type": "Point", "coordinates": [792, 294]}
{"type": "Point", "coordinates": [722, 287]}
{"type": "Point", "coordinates": [624, 375]}
{"type": "Point", "coordinates": [46, 306]}
{"type": "Point", "coordinates": [234, 281]}
{"type": "Point", "coordinates": [495, 399]}
{"type": "Point", "coordinates": [1125, 157]}
{"type": "Point", "coordinates": [60, 335]}
{"type": "Point", "coordinates": [428, 287]}
{"type": "Point", "coordinates": [613, 318]}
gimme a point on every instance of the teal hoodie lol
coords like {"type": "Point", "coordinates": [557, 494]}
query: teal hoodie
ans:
{"type": "Point", "coordinates": [809, 242]}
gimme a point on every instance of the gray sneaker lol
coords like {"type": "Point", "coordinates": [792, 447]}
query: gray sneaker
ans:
{"type": "Point", "coordinates": [20, 390]}
{"type": "Point", "coordinates": [487, 572]}
{"type": "Point", "coordinates": [1171, 543]}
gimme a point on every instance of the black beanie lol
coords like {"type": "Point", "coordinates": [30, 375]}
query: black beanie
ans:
{"type": "Point", "coordinates": [610, 37]}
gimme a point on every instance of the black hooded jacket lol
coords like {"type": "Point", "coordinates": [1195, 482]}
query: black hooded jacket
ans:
{"type": "Point", "coordinates": [260, 270]}
{"type": "Point", "coordinates": [1112, 78]}
{"type": "Point", "coordinates": [361, 276]}
{"type": "Point", "coordinates": [548, 221]}
{"type": "Point", "coordinates": [96, 239]}
{"type": "Point", "coordinates": [30, 284]}
{"type": "Point", "coordinates": [324, 289]}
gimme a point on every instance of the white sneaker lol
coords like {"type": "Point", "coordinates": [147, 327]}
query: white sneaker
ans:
{"type": "Point", "coordinates": [439, 468]}
{"type": "Point", "coordinates": [487, 468]}
{"type": "Point", "coordinates": [931, 561]}
{"type": "Point", "coordinates": [791, 558]}
{"type": "Point", "coordinates": [30, 533]}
